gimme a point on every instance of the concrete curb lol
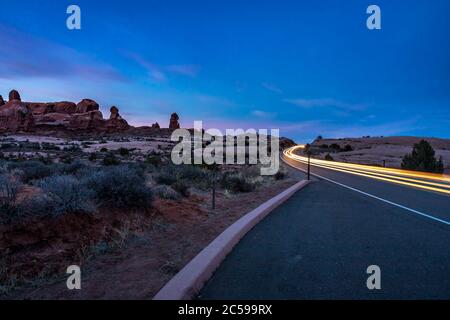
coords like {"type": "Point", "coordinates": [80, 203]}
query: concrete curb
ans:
{"type": "Point", "coordinates": [191, 279]}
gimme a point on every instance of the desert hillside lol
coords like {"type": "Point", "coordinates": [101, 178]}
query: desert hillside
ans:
{"type": "Point", "coordinates": [378, 150]}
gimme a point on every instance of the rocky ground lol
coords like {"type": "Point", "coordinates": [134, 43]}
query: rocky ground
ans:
{"type": "Point", "coordinates": [378, 150]}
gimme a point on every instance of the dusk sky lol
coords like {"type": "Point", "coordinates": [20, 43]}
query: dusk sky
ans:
{"type": "Point", "coordinates": [306, 67]}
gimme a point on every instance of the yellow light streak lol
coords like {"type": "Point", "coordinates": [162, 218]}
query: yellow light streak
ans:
{"type": "Point", "coordinates": [384, 174]}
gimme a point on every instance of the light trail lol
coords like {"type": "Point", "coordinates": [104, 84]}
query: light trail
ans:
{"type": "Point", "coordinates": [426, 181]}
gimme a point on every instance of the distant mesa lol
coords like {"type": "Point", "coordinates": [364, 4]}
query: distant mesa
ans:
{"type": "Point", "coordinates": [174, 124]}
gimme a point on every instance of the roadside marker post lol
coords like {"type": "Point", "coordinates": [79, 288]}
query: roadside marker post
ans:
{"type": "Point", "coordinates": [309, 166]}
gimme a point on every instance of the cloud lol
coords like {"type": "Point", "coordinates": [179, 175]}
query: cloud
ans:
{"type": "Point", "coordinates": [185, 70]}
{"type": "Point", "coordinates": [262, 114]}
{"type": "Point", "coordinates": [325, 102]}
{"type": "Point", "coordinates": [160, 73]}
{"type": "Point", "coordinates": [271, 87]}
{"type": "Point", "coordinates": [26, 56]}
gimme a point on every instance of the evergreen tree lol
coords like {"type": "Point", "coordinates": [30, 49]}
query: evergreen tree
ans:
{"type": "Point", "coordinates": [423, 158]}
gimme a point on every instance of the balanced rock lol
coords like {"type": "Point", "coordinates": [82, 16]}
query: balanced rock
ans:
{"type": "Point", "coordinates": [174, 124]}
{"type": "Point", "coordinates": [14, 95]}
{"type": "Point", "coordinates": [116, 122]}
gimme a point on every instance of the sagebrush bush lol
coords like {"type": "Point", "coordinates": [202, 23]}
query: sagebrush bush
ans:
{"type": "Point", "coordinates": [166, 192]}
{"type": "Point", "coordinates": [66, 194]}
{"type": "Point", "coordinates": [120, 187]}
{"type": "Point", "coordinates": [32, 170]}
{"type": "Point", "coordinates": [111, 160]}
{"type": "Point", "coordinates": [237, 182]}
{"type": "Point", "coordinates": [182, 187]}
{"type": "Point", "coordinates": [191, 175]}
{"type": "Point", "coordinates": [9, 188]}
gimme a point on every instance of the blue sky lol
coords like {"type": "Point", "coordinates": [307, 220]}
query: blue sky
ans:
{"type": "Point", "coordinates": [307, 67]}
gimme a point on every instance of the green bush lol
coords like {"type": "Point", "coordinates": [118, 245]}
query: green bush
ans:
{"type": "Point", "coordinates": [423, 158]}
{"type": "Point", "coordinates": [120, 187]}
{"type": "Point", "coordinates": [328, 157]}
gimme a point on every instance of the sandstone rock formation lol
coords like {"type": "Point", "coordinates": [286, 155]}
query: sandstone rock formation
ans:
{"type": "Point", "coordinates": [156, 126]}
{"type": "Point", "coordinates": [174, 124]}
{"type": "Point", "coordinates": [14, 95]}
{"type": "Point", "coordinates": [87, 105]}
{"type": "Point", "coordinates": [18, 116]}
{"type": "Point", "coordinates": [2, 102]}
{"type": "Point", "coordinates": [116, 121]}
{"type": "Point", "coordinates": [15, 117]}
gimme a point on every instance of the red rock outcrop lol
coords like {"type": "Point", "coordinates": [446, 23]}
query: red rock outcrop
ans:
{"type": "Point", "coordinates": [156, 126]}
{"type": "Point", "coordinates": [87, 105]}
{"type": "Point", "coordinates": [18, 116]}
{"type": "Point", "coordinates": [2, 102]}
{"type": "Point", "coordinates": [174, 124]}
{"type": "Point", "coordinates": [116, 122]}
{"type": "Point", "coordinates": [14, 95]}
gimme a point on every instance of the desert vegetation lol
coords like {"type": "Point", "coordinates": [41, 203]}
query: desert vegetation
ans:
{"type": "Point", "coordinates": [64, 202]}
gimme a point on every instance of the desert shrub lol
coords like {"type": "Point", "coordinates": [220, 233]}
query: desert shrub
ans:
{"type": "Point", "coordinates": [124, 152]}
{"type": "Point", "coordinates": [92, 157]}
{"type": "Point", "coordinates": [182, 187]}
{"type": "Point", "coordinates": [154, 159]}
{"type": "Point", "coordinates": [335, 146]}
{"type": "Point", "coordinates": [324, 146]}
{"type": "Point", "coordinates": [30, 145]}
{"type": "Point", "coordinates": [110, 160]}
{"type": "Point", "coordinates": [73, 148]}
{"type": "Point", "coordinates": [423, 158]}
{"type": "Point", "coordinates": [281, 174]}
{"type": "Point", "coordinates": [71, 168]}
{"type": "Point", "coordinates": [328, 157]}
{"type": "Point", "coordinates": [66, 194]}
{"type": "Point", "coordinates": [237, 182]}
{"type": "Point", "coordinates": [9, 188]}
{"type": "Point", "coordinates": [104, 149]}
{"type": "Point", "coordinates": [348, 148]}
{"type": "Point", "coordinates": [50, 146]}
{"type": "Point", "coordinates": [166, 192]}
{"type": "Point", "coordinates": [121, 187]}
{"type": "Point", "coordinates": [192, 175]}
{"type": "Point", "coordinates": [32, 170]}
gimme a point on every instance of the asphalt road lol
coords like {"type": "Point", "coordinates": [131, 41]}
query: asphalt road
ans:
{"type": "Point", "coordinates": [319, 244]}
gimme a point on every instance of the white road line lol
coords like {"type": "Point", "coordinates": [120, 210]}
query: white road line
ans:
{"type": "Point", "coordinates": [375, 197]}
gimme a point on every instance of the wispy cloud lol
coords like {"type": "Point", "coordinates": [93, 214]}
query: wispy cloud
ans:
{"type": "Point", "coordinates": [263, 114]}
{"type": "Point", "coordinates": [326, 102]}
{"type": "Point", "coordinates": [271, 87]}
{"type": "Point", "coordinates": [25, 56]}
{"type": "Point", "coordinates": [160, 73]}
{"type": "Point", "coordinates": [185, 70]}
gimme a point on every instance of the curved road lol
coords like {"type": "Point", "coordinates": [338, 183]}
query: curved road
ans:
{"type": "Point", "coordinates": [319, 244]}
